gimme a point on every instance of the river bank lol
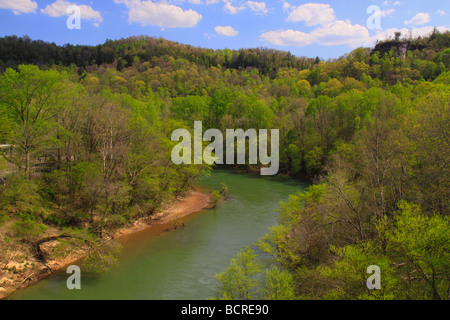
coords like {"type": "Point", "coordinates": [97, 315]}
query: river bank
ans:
{"type": "Point", "coordinates": [18, 275]}
{"type": "Point", "coordinates": [182, 265]}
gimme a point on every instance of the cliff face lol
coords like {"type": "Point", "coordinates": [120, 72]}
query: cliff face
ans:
{"type": "Point", "coordinates": [402, 47]}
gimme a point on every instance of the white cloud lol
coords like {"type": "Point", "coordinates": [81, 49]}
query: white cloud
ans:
{"type": "Point", "coordinates": [387, 12]}
{"type": "Point", "coordinates": [414, 32]}
{"type": "Point", "coordinates": [341, 32]}
{"type": "Point", "coordinates": [441, 12]}
{"type": "Point", "coordinates": [207, 2]}
{"type": "Point", "coordinates": [59, 8]}
{"type": "Point", "coordinates": [227, 31]}
{"type": "Point", "coordinates": [396, 3]}
{"type": "Point", "coordinates": [337, 33]}
{"type": "Point", "coordinates": [329, 30]}
{"type": "Point", "coordinates": [311, 14]}
{"type": "Point", "coordinates": [257, 7]}
{"type": "Point", "coordinates": [231, 9]}
{"type": "Point", "coordinates": [286, 6]}
{"type": "Point", "coordinates": [419, 19]}
{"type": "Point", "coordinates": [149, 13]}
{"type": "Point", "coordinates": [19, 6]}
{"type": "Point", "coordinates": [288, 38]}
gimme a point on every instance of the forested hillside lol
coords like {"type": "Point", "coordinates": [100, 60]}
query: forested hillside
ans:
{"type": "Point", "coordinates": [126, 52]}
{"type": "Point", "coordinates": [85, 134]}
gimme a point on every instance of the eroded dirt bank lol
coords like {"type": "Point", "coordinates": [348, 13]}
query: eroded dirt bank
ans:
{"type": "Point", "coordinates": [19, 273]}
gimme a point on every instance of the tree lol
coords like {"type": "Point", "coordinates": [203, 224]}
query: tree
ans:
{"type": "Point", "coordinates": [304, 88]}
{"type": "Point", "coordinates": [218, 106]}
{"type": "Point", "coordinates": [32, 98]}
{"type": "Point", "coordinates": [346, 278]}
{"type": "Point", "coordinates": [333, 88]}
{"type": "Point", "coordinates": [238, 282]}
{"type": "Point", "coordinates": [429, 135]}
{"type": "Point", "coordinates": [420, 245]}
{"type": "Point", "coordinates": [191, 108]}
{"type": "Point", "coordinates": [72, 121]}
{"type": "Point", "coordinates": [5, 128]}
{"type": "Point", "coordinates": [111, 138]}
{"type": "Point", "coordinates": [279, 285]}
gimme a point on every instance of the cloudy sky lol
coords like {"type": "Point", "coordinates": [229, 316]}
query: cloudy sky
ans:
{"type": "Point", "coordinates": [328, 28]}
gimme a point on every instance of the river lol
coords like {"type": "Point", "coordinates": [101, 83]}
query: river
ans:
{"type": "Point", "coordinates": [181, 264]}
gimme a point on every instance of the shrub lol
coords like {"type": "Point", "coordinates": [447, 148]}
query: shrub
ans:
{"type": "Point", "coordinates": [28, 230]}
{"type": "Point", "coordinates": [65, 219]}
{"type": "Point", "coordinates": [116, 221]}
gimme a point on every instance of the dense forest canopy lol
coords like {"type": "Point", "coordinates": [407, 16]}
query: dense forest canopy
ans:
{"type": "Point", "coordinates": [86, 134]}
{"type": "Point", "coordinates": [22, 50]}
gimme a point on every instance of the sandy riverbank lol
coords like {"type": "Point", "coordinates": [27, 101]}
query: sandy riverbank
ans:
{"type": "Point", "coordinates": [194, 202]}
{"type": "Point", "coordinates": [25, 276]}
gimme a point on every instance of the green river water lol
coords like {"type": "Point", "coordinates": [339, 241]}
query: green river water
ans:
{"type": "Point", "coordinates": [181, 264]}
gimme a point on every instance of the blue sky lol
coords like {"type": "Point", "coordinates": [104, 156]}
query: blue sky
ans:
{"type": "Point", "coordinates": [327, 29]}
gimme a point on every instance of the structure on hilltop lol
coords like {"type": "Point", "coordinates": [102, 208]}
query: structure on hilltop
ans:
{"type": "Point", "coordinates": [402, 46]}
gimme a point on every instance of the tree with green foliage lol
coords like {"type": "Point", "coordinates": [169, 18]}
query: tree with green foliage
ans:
{"type": "Point", "coordinates": [239, 281]}
{"type": "Point", "coordinates": [32, 98]}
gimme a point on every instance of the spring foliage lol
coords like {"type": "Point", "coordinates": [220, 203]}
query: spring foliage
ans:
{"type": "Point", "coordinates": [87, 137]}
